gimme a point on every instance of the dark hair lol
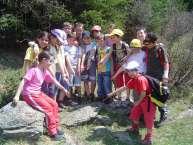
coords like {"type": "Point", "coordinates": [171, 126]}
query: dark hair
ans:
{"type": "Point", "coordinates": [66, 24]}
{"type": "Point", "coordinates": [78, 24]}
{"type": "Point", "coordinates": [150, 37]}
{"type": "Point", "coordinates": [71, 35]}
{"type": "Point", "coordinates": [43, 55]}
{"type": "Point", "coordinates": [41, 34]}
{"type": "Point", "coordinates": [99, 36]}
{"type": "Point", "coordinates": [141, 28]}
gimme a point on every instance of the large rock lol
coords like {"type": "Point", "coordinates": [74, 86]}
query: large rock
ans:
{"type": "Point", "coordinates": [103, 120]}
{"type": "Point", "coordinates": [20, 121]}
{"type": "Point", "coordinates": [79, 116]}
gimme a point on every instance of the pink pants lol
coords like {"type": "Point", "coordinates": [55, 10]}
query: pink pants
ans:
{"type": "Point", "coordinates": [48, 106]}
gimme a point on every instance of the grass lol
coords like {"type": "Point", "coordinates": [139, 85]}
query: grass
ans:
{"type": "Point", "coordinates": [175, 132]}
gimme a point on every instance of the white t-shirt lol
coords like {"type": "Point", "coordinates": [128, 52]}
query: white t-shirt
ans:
{"type": "Point", "coordinates": [140, 58]}
{"type": "Point", "coordinates": [73, 52]}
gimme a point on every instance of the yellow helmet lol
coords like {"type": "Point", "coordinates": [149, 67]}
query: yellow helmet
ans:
{"type": "Point", "coordinates": [135, 43]}
{"type": "Point", "coordinates": [118, 32]}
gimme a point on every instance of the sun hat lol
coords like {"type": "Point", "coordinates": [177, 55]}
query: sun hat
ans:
{"type": "Point", "coordinates": [135, 43]}
{"type": "Point", "coordinates": [96, 28]}
{"type": "Point", "coordinates": [59, 34]}
{"type": "Point", "coordinates": [132, 65]}
{"type": "Point", "coordinates": [118, 32]}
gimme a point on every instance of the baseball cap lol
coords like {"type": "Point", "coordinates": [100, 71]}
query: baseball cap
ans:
{"type": "Point", "coordinates": [118, 32]}
{"type": "Point", "coordinates": [132, 65]}
{"type": "Point", "coordinates": [135, 43]}
{"type": "Point", "coordinates": [60, 34]}
{"type": "Point", "coordinates": [96, 28]}
{"type": "Point", "coordinates": [86, 34]}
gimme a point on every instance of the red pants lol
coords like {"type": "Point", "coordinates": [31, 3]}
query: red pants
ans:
{"type": "Point", "coordinates": [121, 79]}
{"type": "Point", "coordinates": [142, 108]}
{"type": "Point", "coordinates": [48, 106]}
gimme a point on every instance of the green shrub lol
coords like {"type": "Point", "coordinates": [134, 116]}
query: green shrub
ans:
{"type": "Point", "coordinates": [9, 82]}
{"type": "Point", "coordinates": [9, 22]}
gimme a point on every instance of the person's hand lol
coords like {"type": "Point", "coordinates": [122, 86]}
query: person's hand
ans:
{"type": "Point", "coordinates": [14, 102]}
{"type": "Point", "coordinates": [66, 92]}
{"type": "Point", "coordinates": [65, 78]}
{"type": "Point", "coordinates": [82, 68]}
{"type": "Point", "coordinates": [165, 80]}
{"type": "Point", "coordinates": [136, 103]}
{"type": "Point", "coordinates": [78, 71]}
{"type": "Point", "coordinates": [113, 77]}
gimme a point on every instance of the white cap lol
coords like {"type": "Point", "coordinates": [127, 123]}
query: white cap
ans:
{"type": "Point", "coordinates": [60, 34]}
{"type": "Point", "coordinates": [131, 65]}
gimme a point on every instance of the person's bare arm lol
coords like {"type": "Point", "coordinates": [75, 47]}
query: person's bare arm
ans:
{"type": "Point", "coordinates": [117, 91]}
{"type": "Point", "coordinates": [18, 93]}
{"type": "Point", "coordinates": [82, 62]}
{"type": "Point", "coordinates": [26, 66]}
{"type": "Point", "coordinates": [61, 87]}
{"type": "Point", "coordinates": [117, 73]}
{"type": "Point", "coordinates": [141, 96]}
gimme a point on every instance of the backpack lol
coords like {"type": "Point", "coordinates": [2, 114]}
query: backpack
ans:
{"type": "Point", "coordinates": [159, 91]}
{"type": "Point", "coordinates": [160, 54]}
{"type": "Point", "coordinates": [114, 55]}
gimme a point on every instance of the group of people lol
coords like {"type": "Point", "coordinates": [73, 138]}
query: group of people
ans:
{"type": "Point", "coordinates": [57, 62]}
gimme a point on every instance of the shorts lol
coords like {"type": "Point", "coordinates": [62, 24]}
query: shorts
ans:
{"type": "Point", "coordinates": [90, 74]}
{"type": "Point", "coordinates": [74, 81]}
{"type": "Point", "coordinates": [142, 109]}
{"type": "Point", "coordinates": [48, 89]}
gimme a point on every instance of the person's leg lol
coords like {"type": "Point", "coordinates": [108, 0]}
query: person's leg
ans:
{"type": "Point", "coordinates": [134, 116]}
{"type": "Point", "coordinates": [77, 84]}
{"type": "Point", "coordinates": [100, 91]}
{"type": "Point", "coordinates": [92, 79]}
{"type": "Point", "coordinates": [55, 110]}
{"type": "Point", "coordinates": [107, 85]}
{"type": "Point", "coordinates": [163, 113]}
{"type": "Point", "coordinates": [40, 103]}
{"type": "Point", "coordinates": [149, 110]}
{"type": "Point", "coordinates": [87, 88]}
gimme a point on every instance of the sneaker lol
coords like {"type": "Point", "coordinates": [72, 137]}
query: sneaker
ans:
{"type": "Point", "coordinates": [147, 140]}
{"type": "Point", "coordinates": [57, 137]}
{"type": "Point", "coordinates": [133, 130]}
{"type": "Point", "coordinates": [61, 105]}
{"type": "Point", "coordinates": [60, 132]}
{"type": "Point", "coordinates": [92, 97]}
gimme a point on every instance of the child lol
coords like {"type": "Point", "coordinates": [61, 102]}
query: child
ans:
{"type": "Point", "coordinates": [88, 65]}
{"type": "Point", "coordinates": [31, 92]}
{"type": "Point", "coordinates": [58, 68]}
{"type": "Point", "coordinates": [143, 105]}
{"type": "Point", "coordinates": [120, 51]}
{"type": "Point", "coordinates": [136, 55]}
{"type": "Point", "coordinates": [73, 54]}
{"type": "Point", "coordinates": [34, 49]}
{"type": "Point", "coordinates": [103, 67]}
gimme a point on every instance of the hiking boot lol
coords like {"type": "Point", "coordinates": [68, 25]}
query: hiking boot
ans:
{"type": "Point", "coordinates": [92, 97]}
{"type": "Point", "coordinates": [147, 140]}
{"type": "Point", "coordinates": [133, 130]}
{"type": "Point", "coordinates": [57, 137]}
{"type": "Point", "coordinates": [61, 105]}
{"type": "Point", "coordinates": [60, 132]}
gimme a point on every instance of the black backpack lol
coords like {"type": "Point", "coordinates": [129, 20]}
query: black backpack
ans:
{"type": "Point", "coordinates": [159, 91]}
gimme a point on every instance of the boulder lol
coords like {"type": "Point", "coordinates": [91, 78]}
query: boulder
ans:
{"type": "Point", "coordinates": [20, 121]}
{"type": "Point", "coordinates": [100, 131]}
{"type": "Point", "coordinates": [79, 116]}
{"type": "Point", "coordinates": [103, 120]}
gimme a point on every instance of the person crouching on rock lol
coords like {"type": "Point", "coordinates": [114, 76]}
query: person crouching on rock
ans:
{"type": "Point", "coordinates": [143, 106]}
{"type": "Point", "coordinates": [30, 87]}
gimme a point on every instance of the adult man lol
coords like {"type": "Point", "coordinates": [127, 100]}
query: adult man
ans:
{"type": "Point", "coordinates": [157, 65]}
